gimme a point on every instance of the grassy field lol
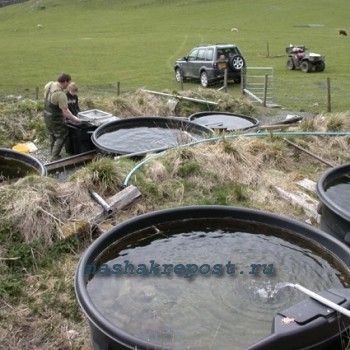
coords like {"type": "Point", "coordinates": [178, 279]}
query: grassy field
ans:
{"type": "Point", "coordinates": [136, 42]}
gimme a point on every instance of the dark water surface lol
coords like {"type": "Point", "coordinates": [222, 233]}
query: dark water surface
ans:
{"type": "Point", "coordinates": [131, 140]}
{"type": "Point", "coordinates": [338, 191]}
{"type": "Point", "coordinates": [210, 311]}
{"type": "Point", "coordinates": [228, 122]}
{"type": "Point", "coordinates": [13, 169]}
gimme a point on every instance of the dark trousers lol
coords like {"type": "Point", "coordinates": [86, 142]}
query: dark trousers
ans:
{"type": "Point", "coordinates": [57, 131]}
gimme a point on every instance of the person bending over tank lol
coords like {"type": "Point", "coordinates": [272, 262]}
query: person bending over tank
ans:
{"type": "Point", "coordinates": [56, 111]}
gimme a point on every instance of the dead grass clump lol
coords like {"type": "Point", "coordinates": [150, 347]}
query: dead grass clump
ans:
{"type": "Point", "coordinates": [213, 159]}
{"type": "Point", "coordinates": [15, 131]}
{"type": "Point", "coordinates": [103, 175]}
{"type": "Point", "coordinates": [333, 149]}
{"type": "Point", "coordinates": [216, 172]}
{"type": "Point", "coordinates": [226, 103]}
{"type": "Point", "coordinates": [270, 152]}
{"type": "Point", "coordinates": [310, 124]}
{"type": "Point", "coordinates": [39, 206]}
{"type": "Point", "coordinates": [44, 209]}
{"type": "Point", "coordinates": [140, 103]}
{"type": "Point", "coordinates": [337, 122]}
{"type": "Point", "coordinates": [157, 171]}
{"type": "Point", "coordinates": [241, 105]}
{"type": "Point", "coordinates": [49, 331]}
{"type": "Point", "coordinates": [209, 168]}
{"type": "Point", "coordinates": [211, 163]}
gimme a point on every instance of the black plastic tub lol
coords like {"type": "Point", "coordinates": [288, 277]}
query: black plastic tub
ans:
{"type": "Point", "coordinates": [333, 189]}
{"type": "Point", "coordinates": [318, 326]}
{"type": "Point", "coordinates": [15, 164]}
{"type": "Point", "coordinates": [140, 135]}
{"type": "Point", "coordinates": [225, 121]}
{"type": "Point", "coordinates": [79, 138]}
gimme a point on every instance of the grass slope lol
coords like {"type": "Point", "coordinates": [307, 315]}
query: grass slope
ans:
{"type": "Point", "coordinates": [136, 42]}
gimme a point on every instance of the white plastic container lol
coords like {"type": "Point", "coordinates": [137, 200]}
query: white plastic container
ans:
{"type": "Point", "coordinates": [96, 117]}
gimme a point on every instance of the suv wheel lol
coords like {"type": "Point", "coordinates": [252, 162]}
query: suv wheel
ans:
{"type": "Point", "coordinates": [204, 79]}
{"type": "Point", "coordinates": [236, 62]}
{"type": "Point", "coordinates": [178, 75]}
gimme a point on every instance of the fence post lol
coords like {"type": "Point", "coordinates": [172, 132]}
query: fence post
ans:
{"type": "Point", "coordinates": [37, 93]}
{"type": "Point", "coordinates": [118, 88]}
{"type": "Point", "coordinates": [182, 83]}
{"type": "Point", "coordinates": [329, 109]}
{"type": "Point", "coordinates": [243, 79]}
{"type": "Point", "coordinates": [265, 90]}
{"type": "Point", "coordinates": [225, 80]}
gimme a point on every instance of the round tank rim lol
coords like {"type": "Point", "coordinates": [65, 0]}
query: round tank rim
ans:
{"type": "Point", "coordinates": [325, 178]}
{"type": "Point", "coordinates": [139, 120]}
{"type": "Point", "coordinates": [26, 158]}
{"type": "Point", "coordinates": [197, 212]}
{"type": "Point", "coordinates": [255, 121]}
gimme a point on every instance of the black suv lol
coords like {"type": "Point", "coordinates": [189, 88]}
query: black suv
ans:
{"type": "Point", "coordinates": [208, 63]}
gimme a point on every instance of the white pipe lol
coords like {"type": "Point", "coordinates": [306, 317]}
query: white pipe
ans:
{"type": "Point", "coordinates": [180, 97]}
{"type": "Point", "coordinates": [189, 135]}
{"type": "Point", "coordinates": [142, 153]}
{"type": "Point", "coordinates": [321, 299]}
{"type": "Point", "coordinates": [252, 95]}
{"type": "Point", "coordinates": [106, 207]}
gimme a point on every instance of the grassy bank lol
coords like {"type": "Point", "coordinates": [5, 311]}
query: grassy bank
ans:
{"type": "Point", "coordinates": [38, 308]}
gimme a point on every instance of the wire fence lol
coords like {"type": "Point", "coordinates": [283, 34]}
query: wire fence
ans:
{"type": "Point", "coordinates": [309, 92]}
{"type": "Point", "coordinates": [300, 92]}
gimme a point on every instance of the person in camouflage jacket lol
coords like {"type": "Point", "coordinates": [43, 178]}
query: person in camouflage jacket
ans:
{"type": "Point", "coordinates": [56, 112]}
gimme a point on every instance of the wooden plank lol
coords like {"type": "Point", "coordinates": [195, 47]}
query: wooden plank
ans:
{"type": "Point", "coordinates": [71, 161]}
{"type": "Point", "coordinates": [307, 184]}
{"type": "Point", "coordinates": [117, 202]}
{"type": "Point", "coordinates": [300, 199]}
{"type": "Point", "coordinates": [124, 197]}
{"type": "Point", "coordinates": [98, 220]}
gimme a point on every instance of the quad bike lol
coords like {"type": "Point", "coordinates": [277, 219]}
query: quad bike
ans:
{"type": "Point", "coordinates": [298, 58]}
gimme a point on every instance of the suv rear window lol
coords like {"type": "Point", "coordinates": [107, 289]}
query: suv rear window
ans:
{"type": "Point", "coordinates": [228, 52]}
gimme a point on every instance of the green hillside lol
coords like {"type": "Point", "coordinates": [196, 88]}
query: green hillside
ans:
{"type": "Point", "coordinates": [135, 42]}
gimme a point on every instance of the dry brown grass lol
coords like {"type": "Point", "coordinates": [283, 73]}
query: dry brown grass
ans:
{"type": "Point", "coordinates": [42, 206]}
{"type": "Point", "coordinates": [141, 103]}
{"type": "Point", "coordinates": [262, 163]}
{"type": "Point", "coordinates": [334, 122]}
{"type": "Point", "coordinates": [42, 325]}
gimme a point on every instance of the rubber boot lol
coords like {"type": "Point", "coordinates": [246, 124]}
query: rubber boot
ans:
{"type": "Point", "coordinates": [52, 143]}
{"type": "Point", "coordinates": [56, 150]}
